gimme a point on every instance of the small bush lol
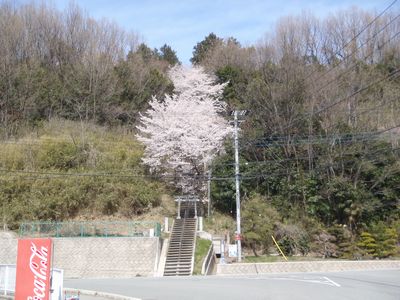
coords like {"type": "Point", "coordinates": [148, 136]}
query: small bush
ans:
{"type": "Point", "coordinates": [293, 239]}
{"type": "Point", "coordinates": [380, 241]}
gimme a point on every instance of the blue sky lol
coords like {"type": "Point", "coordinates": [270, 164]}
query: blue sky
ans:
{"type": "Point", "coordinates": [183, 23]}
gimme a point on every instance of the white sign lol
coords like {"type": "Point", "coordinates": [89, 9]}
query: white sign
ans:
{"type": "Point", "coordinates": [57, 284]}
{"type": "Point", "coordinates": [7, 281]}
{"type": "Point", "coordinates": [232, 250]}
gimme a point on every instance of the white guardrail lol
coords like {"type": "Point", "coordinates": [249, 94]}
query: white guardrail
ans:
{"type": "Point", "coordinates": [7, 282]}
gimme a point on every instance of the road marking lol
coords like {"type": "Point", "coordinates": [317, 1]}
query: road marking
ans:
{"type": "Point", "coordinates": [309, 279]}
{"type": "Point", "coordinates": [331, 281]}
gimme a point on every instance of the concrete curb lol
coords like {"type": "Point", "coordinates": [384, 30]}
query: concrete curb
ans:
{"type": "Point", "coordinates": [100, 294]}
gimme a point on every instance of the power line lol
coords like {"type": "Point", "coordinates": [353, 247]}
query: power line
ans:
{"type": "Point", "coordinates": [319, 139]}
{"type": "Point", "coordinates": [58, 175]}
{"type": "Point", "coordinates": [322, 167]}
{"type": "Point", "coordinates": [361, 112]}
{"type": "Point", "coordinates": [381, 30]}
{"type": "Point", "coordinates": [389, 76]}
{"type": "Point", "coordinates": [342, 140]}
{"type": "Point", "coordinates": [295, 159]}
{"type": "Point", "coordinates": [339, 158]}
{"type": "Point", "coordinates": [357, 92]}
{"type": "Point", "coordinates": [354, 64]}
{"type": "Point", "coordinates": [359, 33]}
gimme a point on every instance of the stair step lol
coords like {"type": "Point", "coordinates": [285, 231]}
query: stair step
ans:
{"type": "Point", "coordinates": [181, 246]}
{"type": "Point", "coordinates": [178, 266]}
{"type": "Point", "coordinates": [182, 272]}
{"type": "Point", "coordinates": [179, 260]}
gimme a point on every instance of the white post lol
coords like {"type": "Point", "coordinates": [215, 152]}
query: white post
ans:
{"type": "Point", "coordinates": [166, 225]}
{"type": "Point", "coordinates": [179, 208]}
{"type": "Point", "coordinates": [222, 260]}
{"type": "Point", "coordinates": [200, 224]}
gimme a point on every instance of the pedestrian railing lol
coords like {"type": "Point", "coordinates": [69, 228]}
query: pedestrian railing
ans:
{"type": "Point", "coordinates": [209, 262]}
{"type": "Point", "coordinates": [90, 229]}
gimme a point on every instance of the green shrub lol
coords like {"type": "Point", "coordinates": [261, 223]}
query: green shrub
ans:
{"type": "Point", "coordinates": [368, 244]}
{"type": "Point", "coordinates": [258, 221]}
{"type": "Point", "coordinates": [62, 155]}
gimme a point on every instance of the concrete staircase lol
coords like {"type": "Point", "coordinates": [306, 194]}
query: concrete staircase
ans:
{"type": "Point", "coordinates": [180, 255]}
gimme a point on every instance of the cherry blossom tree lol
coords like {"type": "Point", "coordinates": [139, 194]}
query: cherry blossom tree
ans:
{"type": "Point", "coordinates": [183, 132]}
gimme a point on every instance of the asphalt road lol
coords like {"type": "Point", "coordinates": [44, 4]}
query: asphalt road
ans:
{"type": "Point", "coordinates": [355, 285]}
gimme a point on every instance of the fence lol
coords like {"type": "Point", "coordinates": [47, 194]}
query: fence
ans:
{"type": "Point", "coordinates": [90, 229]}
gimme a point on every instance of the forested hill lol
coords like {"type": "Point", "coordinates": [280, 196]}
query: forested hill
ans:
{"type": "Point", "coordinates": [320, 144]}
{"type": "Point", "coordinates": [66, 64]}
{"type": "Point", "coordinates": [319, 147]}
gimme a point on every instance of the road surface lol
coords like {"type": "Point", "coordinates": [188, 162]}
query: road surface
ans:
{"type": "Point", "coordinates": [354, 285]}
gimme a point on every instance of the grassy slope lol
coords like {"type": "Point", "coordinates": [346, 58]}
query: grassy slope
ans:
{"type": "Point", "coordinates": [202, 247]}
{"type": "Point", "coordinates": [68, 170]}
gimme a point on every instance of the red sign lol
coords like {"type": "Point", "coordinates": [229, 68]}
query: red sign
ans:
{"type": "Point", "coordinates": [33, 269]}
{"type": "Point", "coordinates": [238, 237]}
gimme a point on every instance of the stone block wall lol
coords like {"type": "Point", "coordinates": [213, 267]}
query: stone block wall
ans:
{"type": "Point", "coordinates": [120, 257]}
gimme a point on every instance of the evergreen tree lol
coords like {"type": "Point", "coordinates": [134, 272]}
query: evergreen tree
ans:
{"type": "Point", "coordinates": [169, 55]}
{"type": "Point", "coordinates": [368, 244]}
{"type": "Point", "coordinates": [204, 47]}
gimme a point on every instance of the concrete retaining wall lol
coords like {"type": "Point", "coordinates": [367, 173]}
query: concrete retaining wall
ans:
{"type": "Point", "coordinates": [97, 257]}
{"type": "Point", "coordinates": [306, 266]}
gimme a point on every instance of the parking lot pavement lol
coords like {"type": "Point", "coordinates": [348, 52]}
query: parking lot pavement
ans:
{"type": "Point", "coordinates": [350, 285]}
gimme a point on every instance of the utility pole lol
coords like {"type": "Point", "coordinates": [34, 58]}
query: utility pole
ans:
{"type": "Point", "coordinates": [209, 192]}
{"type": "Point", "coordinates": [238, 236]}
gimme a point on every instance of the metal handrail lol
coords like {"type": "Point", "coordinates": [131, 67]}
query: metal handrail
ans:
{"type": "Point", "coordinates": [210, 258]}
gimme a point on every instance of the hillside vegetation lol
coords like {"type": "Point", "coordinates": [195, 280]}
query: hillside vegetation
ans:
{"type": "Point", "coordinates": [64, 170]}
{"type": "Point", "coordinates": [319, 147]}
